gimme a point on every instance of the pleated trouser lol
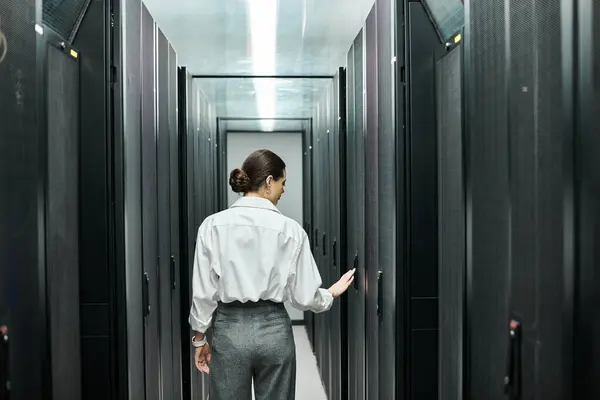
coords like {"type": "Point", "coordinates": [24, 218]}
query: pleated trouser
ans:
{"type": "Point", "coordinates": [252, 341]}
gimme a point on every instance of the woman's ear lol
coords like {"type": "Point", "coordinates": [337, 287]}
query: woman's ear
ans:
{"type": "Point", "coordinates": [269, 179]}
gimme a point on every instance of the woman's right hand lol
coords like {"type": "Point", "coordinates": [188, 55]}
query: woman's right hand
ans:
{"type": "Point", "coordinates": [202, 358]}
{"type": "Point", "coordinates": [340, 287]}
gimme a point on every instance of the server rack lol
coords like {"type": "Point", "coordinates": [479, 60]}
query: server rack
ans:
{"type": "Point", "coordinates": [586, 197]}
{"type": "Point", "coordinates": [520, 156]}
{"type": "Point", "coordinates": [452, 217]}
{"type": "Point", "coordinates": [25, 359]}
{"type": "Point", "coordinates": [420, 185]}
{"type": "Point", "coordinates": [355, 207]}
{"type": "Point", "coordinates": [371, 201]}
{"type": "Point", "coordinates": [197, 162]}
{"type": "Point", "coordinates": [389, 251]}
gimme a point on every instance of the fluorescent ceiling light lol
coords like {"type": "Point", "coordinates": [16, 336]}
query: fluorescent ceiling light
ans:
{"type": "Point", "coordinates": [263, 34]}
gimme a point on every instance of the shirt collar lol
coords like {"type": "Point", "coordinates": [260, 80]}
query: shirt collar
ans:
{"type": "Point", "coordinates": [255, 202]}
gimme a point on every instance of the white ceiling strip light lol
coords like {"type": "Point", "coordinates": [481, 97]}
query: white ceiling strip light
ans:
{"type": "Point", "coordinates": [263, 33]}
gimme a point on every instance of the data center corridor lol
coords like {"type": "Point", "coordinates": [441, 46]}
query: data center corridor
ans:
{"type": "Point", "coordinates": [446, 150]}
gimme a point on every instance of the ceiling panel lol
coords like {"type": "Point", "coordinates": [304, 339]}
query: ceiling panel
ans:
{"type": "Point", "coordinates": [253, 125]}
{"type": "Point", "coordinates": [261, 37]}
{"type": "Point", "coordinates": [240, 97]}
{"type": "Point", "coordinates": [215, 36]}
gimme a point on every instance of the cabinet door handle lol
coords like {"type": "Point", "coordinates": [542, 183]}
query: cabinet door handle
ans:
{"type": "Point", "coordinates": [146, 295]}
{"type": "Point", "coordinates": [379, 293]}
{"type": "Point", "coordinates": [4, 364]}
{"type": "Point", "coordinates": [334, 250]}
{"type": "Point", "coordinates": [173, 274]}
{"type": "Point", "coordinates": [356, 272]}
{"type": "Point", "coordinates": [316, 239]}
{"type": "Point", "coordinates": [512, 378]}
{"type": "Point", "coordinates": [324, 243]}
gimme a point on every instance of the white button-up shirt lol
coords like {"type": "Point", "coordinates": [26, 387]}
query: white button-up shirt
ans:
{"type": "Point", "coordinates": [252, 252]}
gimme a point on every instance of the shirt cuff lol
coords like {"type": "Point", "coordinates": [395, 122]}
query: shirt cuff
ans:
{"type": "Point", "coordinates": [327, 300]}
{"type": "Point", "coordinates": [198, 326]}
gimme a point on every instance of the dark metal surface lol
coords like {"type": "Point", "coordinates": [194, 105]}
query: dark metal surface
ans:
{"type": "Point", "coordinates": [451, 223]}
{"type": "Point", "coordinates": [164, 224]}
{"type": "Point", "coordinates": [541, 232]}
{"type": "Point", "coordinates": [184, 122]}
{"type": "Point", "coordinates": [341, 241]}
{"type": "Point", "coordinates": [22, 297]}
{"type": "Point", "coordinates": [387, 204]}
{"type": "Point", "coordinates": [4, 363]}
{"type": "Point", "coordinates": [149, 202]}
{"type": "Point", "coordinates": [62, 222]}
{"type": "Point", "coordinates": [129, 150]}
{"type": "Point", "coordinates": [422, 285]}
{"type": "Point", "coordinates": [200, 193]}
{"type": "Point", "coordinates": [175, 224]}
{"type": "Point", "coordinates": [487, 202]}
{"type": "Point", "coordinates": [64, 16]}
{"type": "Point", "coordinates": [587, 197]}
{"type": "Point", "coordinates": [356, 218]}
{"type": "Point", "coordinates": [102, 360]}
{"type": "Point", "coordinates": [448, 16]}
{"type": "Point", "coordinates": [371, 191]}
{"type": "Point", "coordinates": [520, 180]}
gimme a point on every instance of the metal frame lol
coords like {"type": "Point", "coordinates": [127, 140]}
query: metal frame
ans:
{"type": "Point", "coordinates": [116, 194]}
{"type": "Point", "coordinates": [455, 42]}
{"type": "Point", "coordinates": [244, 76]}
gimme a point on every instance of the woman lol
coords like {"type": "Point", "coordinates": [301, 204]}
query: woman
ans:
{"type": "Point", "coordinates": [249, 260]}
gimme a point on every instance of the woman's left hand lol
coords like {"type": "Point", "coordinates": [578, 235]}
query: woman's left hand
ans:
{"type": "Point", "coordinates": [202, 358]}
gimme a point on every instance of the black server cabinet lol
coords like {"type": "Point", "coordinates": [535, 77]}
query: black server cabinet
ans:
{"type": "Point", "coordinates": [451, 220]}
{"type": "Point", "coordinates": [174, 226]}
{"type": "Point", "coordinates": [321, 226]}
{"type": "Point", "coordinates": [24, 360]}
{"type": "Point", "coordinates": [103, 361]}
{"type": "Point", "coordinates": [128, 186]}
{"type": "Point", "coordinates": [420, 312]}
{"type": "Point", "coordinates": [520, 226]}
{"type": "Point", "coordinates": [385, 275]}
{"type": "Point", "coordinates": [185, 214]}
{"type": "Point", "coordinates": [371, 191]}
{"type": "Point", "coordinates": [149, 183]}
{"type": "Point", "coordinates": [587, 197]}
{"type": "Point", "coordinates": [355, 210]}
{"type": "Point", "coordinates": [336, 239]}
{"type": "Point", "coordinates": [309, 208]}
{"type": "Point", "coordinates": [165, 274]}
{"type": "Point", "coordinates": [62, 219]}
{"type": "Point", "coordinates": [197, 200]}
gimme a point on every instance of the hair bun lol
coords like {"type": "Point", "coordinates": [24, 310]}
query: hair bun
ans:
{"type": "Point", "coordinates": [239, 180]}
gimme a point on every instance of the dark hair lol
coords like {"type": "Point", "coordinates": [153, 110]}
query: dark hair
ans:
{"type": "Point", "coordinates": [255, 171]}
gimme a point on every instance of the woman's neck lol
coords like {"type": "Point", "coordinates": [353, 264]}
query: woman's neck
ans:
{"type": "Point", "coordinates": [253, 194]}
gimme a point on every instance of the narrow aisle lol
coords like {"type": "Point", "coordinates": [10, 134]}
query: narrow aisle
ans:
{"type": "Point", "coordinates": [308, 382]}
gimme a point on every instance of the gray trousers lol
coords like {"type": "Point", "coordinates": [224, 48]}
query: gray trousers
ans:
{"type": "Point", "coordinates": [252, 341]}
